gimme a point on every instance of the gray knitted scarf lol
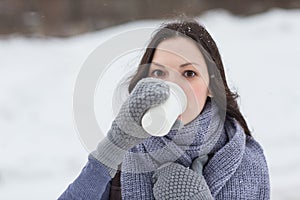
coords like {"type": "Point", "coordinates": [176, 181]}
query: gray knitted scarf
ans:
{"type": "Point", "coordinates": [208, 134]}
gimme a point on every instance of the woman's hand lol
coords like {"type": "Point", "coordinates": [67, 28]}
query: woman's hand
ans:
{"type": "Point", "coordinates": [174, 181]}
{"type": "Point", "coordinates": [126, 130]}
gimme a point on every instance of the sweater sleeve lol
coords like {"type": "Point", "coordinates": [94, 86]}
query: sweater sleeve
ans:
{"type": "Point", "coordinates": [92, 183]}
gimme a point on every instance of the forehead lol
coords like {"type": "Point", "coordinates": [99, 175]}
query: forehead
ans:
{"type": "Point", "coordinates": [180, 48]}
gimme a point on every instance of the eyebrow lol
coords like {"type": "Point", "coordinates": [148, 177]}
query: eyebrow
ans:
{"type": "Point", "coordinates": [182, 65]}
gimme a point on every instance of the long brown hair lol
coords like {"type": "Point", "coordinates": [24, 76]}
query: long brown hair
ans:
{"type": "Point", "coordinates": [217, 81]}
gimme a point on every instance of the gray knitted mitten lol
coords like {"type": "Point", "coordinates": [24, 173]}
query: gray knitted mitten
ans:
{"type": "Point", "coordinates": [126, 130]}
{"type": "Point", "coordinates": [175, 181]}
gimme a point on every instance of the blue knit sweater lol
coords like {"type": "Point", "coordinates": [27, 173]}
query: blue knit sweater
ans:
{"type": "Point", "coordinates": [92, 183]}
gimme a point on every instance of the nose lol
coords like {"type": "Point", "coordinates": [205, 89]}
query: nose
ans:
{"type": "Point", "coordinates": [172, 77]}
{"type": "Point", "coordinates": [175, 77]}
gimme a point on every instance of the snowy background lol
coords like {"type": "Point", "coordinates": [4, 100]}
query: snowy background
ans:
{"type": "Point", "coordinates": [40, 151]}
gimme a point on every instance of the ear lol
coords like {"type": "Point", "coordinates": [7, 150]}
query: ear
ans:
{"type": "Point", "coordinates": [209, 94]}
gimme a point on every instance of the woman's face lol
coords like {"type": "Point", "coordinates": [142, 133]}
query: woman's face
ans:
{"type": "Point", "coordinates": [179, 60]}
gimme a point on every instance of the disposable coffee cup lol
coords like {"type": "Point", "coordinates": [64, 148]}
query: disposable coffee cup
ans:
{"type": "Point", "coordinates": [158, 121]}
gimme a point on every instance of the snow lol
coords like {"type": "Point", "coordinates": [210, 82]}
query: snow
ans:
{"type": "Point", "coordinates": [40, 151]}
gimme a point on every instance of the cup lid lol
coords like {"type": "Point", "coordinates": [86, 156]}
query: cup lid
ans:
{"type": "Point", "coordinates": [179, 95]}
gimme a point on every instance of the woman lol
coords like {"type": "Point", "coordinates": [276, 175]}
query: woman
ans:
{"type": "Point", "coordinates": [208, 154]}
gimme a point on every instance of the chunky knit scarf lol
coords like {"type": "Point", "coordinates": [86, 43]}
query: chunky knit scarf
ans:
{"type": "Point", "coordinates": [234, 170]}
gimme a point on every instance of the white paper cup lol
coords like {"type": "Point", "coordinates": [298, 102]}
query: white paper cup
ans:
{"type": "Point", "coordinates": [158, 121]}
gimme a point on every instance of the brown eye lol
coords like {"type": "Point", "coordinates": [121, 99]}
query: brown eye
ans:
{"type": "Point", "coordinates": [189, 73]}
{"type": "Point", "coordinates": [157, 73]}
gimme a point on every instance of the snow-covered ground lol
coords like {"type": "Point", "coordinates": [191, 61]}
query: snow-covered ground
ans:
{"type": "Point", "coordinates": [40, 151]}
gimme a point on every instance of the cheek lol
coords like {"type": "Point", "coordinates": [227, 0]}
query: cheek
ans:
{"type": "Point", "coordinates": [200, 93]}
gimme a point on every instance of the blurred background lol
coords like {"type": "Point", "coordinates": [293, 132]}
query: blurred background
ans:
{"type": "Point", "coordinates": [43, 45]}
{"type": "Point", "coordinates": [64, 18]}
